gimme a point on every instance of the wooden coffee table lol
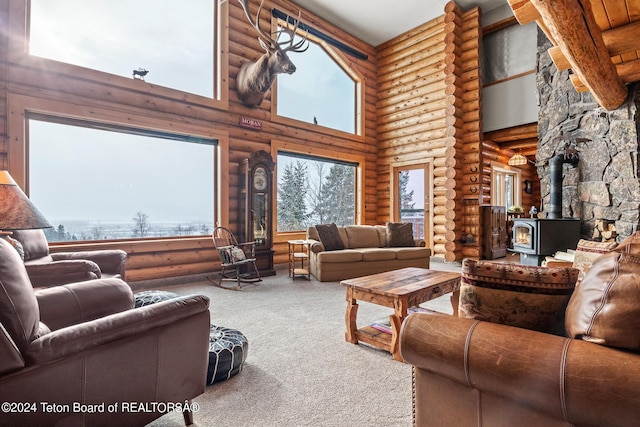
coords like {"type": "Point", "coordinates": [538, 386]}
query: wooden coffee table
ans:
{"type": "Point", "coordinates": [400, 290]}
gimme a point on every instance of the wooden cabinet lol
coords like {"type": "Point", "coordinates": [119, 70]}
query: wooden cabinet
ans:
{"type": "Point", "coordinates": [494, 231]}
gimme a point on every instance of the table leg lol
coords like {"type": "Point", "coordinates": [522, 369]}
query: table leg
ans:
{"type": "Point", "coordinates": [396, 319]}
{"type": "Point", "coordinates": [455, 300]}
{"type": "Point", "coordinates": [350, 318]}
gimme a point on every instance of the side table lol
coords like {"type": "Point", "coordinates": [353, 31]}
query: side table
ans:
{"type": "Point", "coordinates": [299, 258]}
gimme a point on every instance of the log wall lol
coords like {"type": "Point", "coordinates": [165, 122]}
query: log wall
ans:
{"type": "Point", "coordinates": [429, 113]}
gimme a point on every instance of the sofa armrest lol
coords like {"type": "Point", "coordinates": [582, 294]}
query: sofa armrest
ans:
{"type": "Point", "coordinates": [61, 272]}
{"type": "Point", "coordinates": [74, 303]}
{"type": "Point", "coordinates": [572, 380]}
{"type": "Point", "coordinates": [110, 261]}
{"type": "Point", "coordinates": [84, 336]}
{"type": "Point", "coordinates": [315, 245]}
{"type": "Point", "coordinates": [421, 243]}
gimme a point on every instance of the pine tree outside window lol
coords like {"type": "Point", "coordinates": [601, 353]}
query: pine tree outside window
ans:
{"type": "Point", "coordinates": [314, 190]}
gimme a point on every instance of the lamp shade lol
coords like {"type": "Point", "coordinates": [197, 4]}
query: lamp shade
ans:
{"type": "Point", "coordinates": [16, 210]}
{"type": "Point", "coordinates": [517, 160]}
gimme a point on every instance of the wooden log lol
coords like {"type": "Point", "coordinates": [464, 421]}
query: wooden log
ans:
{"type": "Point", "coordinates": [580, 39]}
{"type": "Point", "coordinates": [470, 251]}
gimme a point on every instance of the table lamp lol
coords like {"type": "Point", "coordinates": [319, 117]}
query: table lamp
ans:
{"type": "Point", "coordinates": [16, 210]}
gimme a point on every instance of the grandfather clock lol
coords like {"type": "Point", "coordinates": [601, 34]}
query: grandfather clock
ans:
{"type": "Point", "coordinates": [256, 208]}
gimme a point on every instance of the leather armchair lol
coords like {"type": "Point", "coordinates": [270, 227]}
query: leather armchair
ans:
{"type": "Point", "coordinates": [47, 269]}
{"type": "Point", "coordinates": [81, 355]}
{"type": "Point", "coordinates": [471, 373]}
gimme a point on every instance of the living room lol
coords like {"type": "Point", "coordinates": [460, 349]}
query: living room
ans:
{"type": "Point", "coordinates": [419, 100]}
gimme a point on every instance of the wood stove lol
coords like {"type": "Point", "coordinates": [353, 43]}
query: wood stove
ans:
{"type": "Point", "coordinates": [537, 238]}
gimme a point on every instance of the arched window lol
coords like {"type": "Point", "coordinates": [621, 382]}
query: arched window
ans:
{"type": "Point", "coordinates": [322, 91]}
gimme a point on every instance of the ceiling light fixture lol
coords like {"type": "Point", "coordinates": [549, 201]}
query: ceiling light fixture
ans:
{"type": "Point", "coordinates": [518, 160]}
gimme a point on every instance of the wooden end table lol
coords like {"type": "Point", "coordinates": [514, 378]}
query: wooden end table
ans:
{"type": "Point", "coordinates": [400, 290]}
{"type": "Point", "coordinates": [299, 251]}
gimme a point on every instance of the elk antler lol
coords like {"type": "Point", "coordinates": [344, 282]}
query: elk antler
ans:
{"type": "Point", "coordinates": [266, 37]}
{"type": "Point", "coordinates": [256, 24]}
{"type": "Point", "coordinates": [291, 32]}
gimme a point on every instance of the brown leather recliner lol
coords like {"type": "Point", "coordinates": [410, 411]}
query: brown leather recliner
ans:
{"type": "Point", "coordinates": [51, 269]}
{"type": "Point", "coordinates": [470, 372]}
{"type": "Point", "coordinates": [81, 355]}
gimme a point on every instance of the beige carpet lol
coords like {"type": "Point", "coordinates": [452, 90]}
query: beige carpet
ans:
{"type": "Point", "coordinates": [300, 371]}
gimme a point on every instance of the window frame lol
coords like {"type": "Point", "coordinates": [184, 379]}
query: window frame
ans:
{"type": "Point", "coordinates": [342, 61]}
{"type": "Point", "coordinates": [330, 155]}
{"type": "Point", "coordinates": [18, 146]}
{"type": "Point", "coordinates": [496, 196]}
{"type": "Point", "coordinates": [18, 53]}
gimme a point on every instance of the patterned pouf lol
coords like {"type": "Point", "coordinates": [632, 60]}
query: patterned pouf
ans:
{"type": "Point", "coordinates": [151, 297]}
{"type": "Point", "coordinates": [227, 353]}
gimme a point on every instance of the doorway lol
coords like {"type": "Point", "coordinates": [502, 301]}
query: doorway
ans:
{"type": "Point", "coordinates": [411, 200]}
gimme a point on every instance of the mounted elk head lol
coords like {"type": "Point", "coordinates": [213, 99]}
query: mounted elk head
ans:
{"type": "Point", "coordinates": [254, 78]}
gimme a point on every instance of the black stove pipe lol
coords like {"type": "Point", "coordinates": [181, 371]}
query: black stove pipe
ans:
{"type": "Point", "coordinates": [555, 178]}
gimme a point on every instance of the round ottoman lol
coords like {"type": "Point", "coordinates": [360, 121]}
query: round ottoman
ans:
{"type": "Point", "coordinates": [151, 297]}
{"type": "Point", "coordinates": [227, 353]}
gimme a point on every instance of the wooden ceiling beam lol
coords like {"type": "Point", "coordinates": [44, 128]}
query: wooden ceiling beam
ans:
{"type": "Point", "coordinates": [571, 26]}
{"type": "Point", "coordinates": [622, 39]}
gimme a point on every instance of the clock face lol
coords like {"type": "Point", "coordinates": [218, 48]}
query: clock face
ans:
{"type": "Point", "coordinates": [260, 178]}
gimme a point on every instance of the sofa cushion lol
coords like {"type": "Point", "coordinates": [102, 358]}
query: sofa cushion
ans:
{"type": "Point", "coordinates": [34, 243]}
{"type": "Point", "coordinates": [330, 237]}
{"type": "Point", "coordinates": [19, 312]}
{"type": "Point", "coordinates": [378, 254]}
{"type": "Point", "coordinates": [362, 236]}
{"type": "Point", "coordinates": [346, 255]}
{"type": "Point", "coordinates": [382, 235]}
{"type": "Point", "coordinates": [528, 297]}
{"type": "Point", "coordinates": [587, 252]}
{"type": "Point", "coordinates": [412, 253]}
{"type": "Point", "coordinates": [604, 307]}
{"type": "Point", "coordinates": [400, 234]}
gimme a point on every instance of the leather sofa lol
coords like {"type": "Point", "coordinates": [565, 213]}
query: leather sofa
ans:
{"type": "Point", "coordinates": [470, 372]}
{"type": "Point", "coordinates": [81, 355]}
{"type": "Point", "coordinates": [50, 269]}
{"type": "Point", "coordinates": [365, 252]}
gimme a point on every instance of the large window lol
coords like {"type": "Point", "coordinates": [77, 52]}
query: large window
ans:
{"type": "Point", "coordinates": [319, 92]}
{"type": "Point", "coordinates": [313, 190]}
{"type": "Point", "coordinates": [173, 41]}
{"type": "Point", "coordinates": [96, 182]}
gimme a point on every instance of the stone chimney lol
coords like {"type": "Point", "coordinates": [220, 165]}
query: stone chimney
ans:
{"type": "Point", "coordinates": [605, 184]}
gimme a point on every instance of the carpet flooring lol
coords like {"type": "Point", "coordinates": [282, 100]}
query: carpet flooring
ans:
{"type": "Point", "coordinates": [300, 371]}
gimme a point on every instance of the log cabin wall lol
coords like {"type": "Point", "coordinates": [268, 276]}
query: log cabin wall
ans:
{"type": "Point", "coordinates": [428, 113]}
{"type": "Point", "coordinates": [68, 91]}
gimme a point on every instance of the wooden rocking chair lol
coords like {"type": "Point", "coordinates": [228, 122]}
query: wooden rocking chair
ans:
{"type": "Point", "coordinates": [235, 256]}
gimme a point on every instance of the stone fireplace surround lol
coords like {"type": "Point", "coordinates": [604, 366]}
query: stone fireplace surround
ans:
{"type": "Point", "coordinates": [605, 184]}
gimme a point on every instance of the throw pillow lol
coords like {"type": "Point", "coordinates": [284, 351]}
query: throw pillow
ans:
{"type": "Point", "coordinates": [237, 254]}
{"type": "Point", "coordinates": [529, 297]}
{"type": "Point", "coordinates": [330, 237]}
{"type": "Point", "coordinates": [587, 252]}
{"type": "Point", "coordinates": [400, 234]}
{"type": "Point", "coordinates": [604, 308]}
{"type": "Point", "coordinates": [16, 245]}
